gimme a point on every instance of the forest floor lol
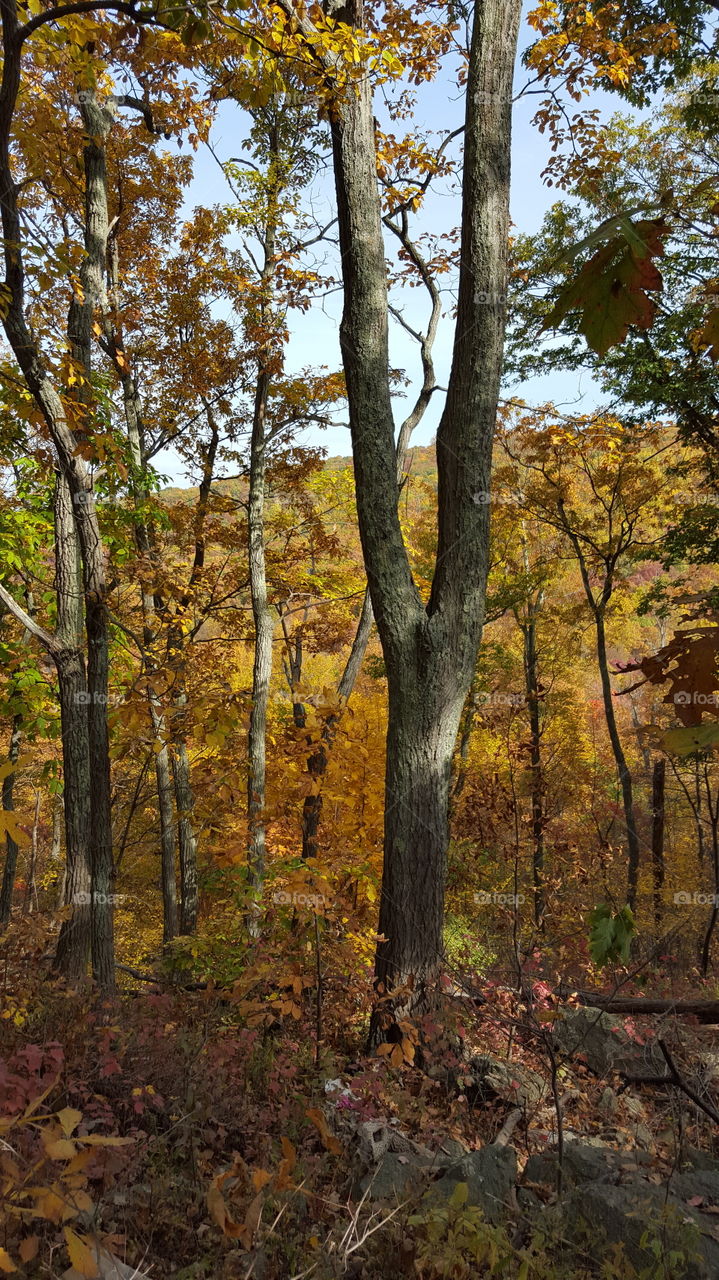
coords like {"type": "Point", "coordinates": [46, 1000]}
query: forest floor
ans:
{"type": "Point", "coordinates": [174, 1133]}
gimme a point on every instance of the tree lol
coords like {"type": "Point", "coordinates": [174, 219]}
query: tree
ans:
{"type": "Point", "coordinates": [429, 649]}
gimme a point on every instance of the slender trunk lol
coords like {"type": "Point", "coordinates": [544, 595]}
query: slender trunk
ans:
{"type": "Point", "coordinates": [150, 600]}
{"type": "Point", "coordinates": [56, 852]}
{"type": "Point", "coordinates": [31, 878]}
{"type": "Point", "coordinates": [531, 681]}
{"type": "Point", "coordinates": [185, 802]}
{"type": "Point", "coordinates": [713, 811]}
{"type": "Point", "coordinates": [623, 772]}
{"type": "Point", "coordinates": [698, 815]}
{"type": "Point", "coordinates": [264, 633]}
{"type": "Point", "coordinates": [74, 942]}
{"type": "Point", "coordinates": [261, 613]}
{"type": "Point", "coordinates": [658, 782]}
{"type": "Point", "coordinates": [8, 804]}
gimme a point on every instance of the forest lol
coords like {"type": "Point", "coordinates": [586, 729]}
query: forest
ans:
{"type": "Point", "coordinates": [359, 639]}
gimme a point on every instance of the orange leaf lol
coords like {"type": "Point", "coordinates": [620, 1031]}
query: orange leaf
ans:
{"type": "Point", "coordinates": [28, 1248]}
{"type": "Point", "coordinates": [319, 1120]}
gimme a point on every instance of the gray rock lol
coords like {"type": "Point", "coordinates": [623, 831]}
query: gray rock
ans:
{"type": "Point", "coordinates": [696, 1159]}
{"type": "Point", "coordinates": [490, 1175]}
{"type": "Point", "coordinates": [583, 1163]}
{"type": "Point", "coordinates": [622, 1215]}
{"type": "Point", "coordinates": [395, 1177]}
{"type": "Point", "coordinates": [605, 1045]}
{"type": "Point", "coordinates": [449, 1151]}
{"type": "Point", "coordinates": [696, 1182]}
{"type": "Point", "coordinates": [497, 1078]}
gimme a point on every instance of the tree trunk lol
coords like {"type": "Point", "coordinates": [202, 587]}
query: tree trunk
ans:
{"type": "Point", "coordinates": [185, 802]}
{"type": "Point", "coordinates": [423, 726]}
{"type": "Point", "coordinates": [11, 848]}
{"type": "Point", "coordinates": [429, 651]}
{"type": "Point", "coordinates": [531, 681]}
{"type": "Point", "coordinates": [658, 780]}
{"type": "Point", "coordinates": [31, 877]}
{"type": "Point", "coordinates": [713, 811]}
{"type": "Point", "coordinates": [262, 663]}
{"type": "Point", "coordinates": [624, 774]}
{"type": "Point", "coordinates": [74, 941]}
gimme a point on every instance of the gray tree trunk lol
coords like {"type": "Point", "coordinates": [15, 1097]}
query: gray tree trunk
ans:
{"type": "Point", "coordinates": [429, 652]}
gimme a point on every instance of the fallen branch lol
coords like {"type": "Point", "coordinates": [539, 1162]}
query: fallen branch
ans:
{"type": "Point", "coordinates": [706, 1011]}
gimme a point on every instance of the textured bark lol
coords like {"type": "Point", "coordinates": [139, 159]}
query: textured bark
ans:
{"type": "Point", "coordinates": [74, 943]}
{"type": "Point", "coordinates": [185, 801]}
{"type": "Point", "coordinates": [73, 947]}
{"type": "Point", "coordinates": [262, 615]}
{"type": "Point", "coordinates": [11, 847]}
{"type": "Point", "coordinates": [65, 443]}
{"type": "Point", "coordinates": [429, 652]}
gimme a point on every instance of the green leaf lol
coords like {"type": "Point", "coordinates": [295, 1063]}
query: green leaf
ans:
{"type": "Point", "coordinates": [611, 292]}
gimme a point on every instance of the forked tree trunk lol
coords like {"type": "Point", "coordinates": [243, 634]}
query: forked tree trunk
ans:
{"type": "Point", "coordinates": [429, 650]}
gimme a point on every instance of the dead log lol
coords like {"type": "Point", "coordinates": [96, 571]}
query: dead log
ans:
{"type": "Point", "coordinates": [706, 1011]}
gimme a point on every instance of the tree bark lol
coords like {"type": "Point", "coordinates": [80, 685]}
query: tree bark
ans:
{"type": "Point", "coordinates": [429, 652]}
{"type": "Point", "coordinates": [65, 442]}
{"type": "Point", "coordinates": [185, 802]}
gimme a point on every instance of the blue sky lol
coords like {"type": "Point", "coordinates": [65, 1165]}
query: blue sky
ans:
{"type": "Point", "coordinates": [314, 336]}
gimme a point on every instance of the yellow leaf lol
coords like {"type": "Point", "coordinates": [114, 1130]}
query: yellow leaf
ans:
{"type": "Point", "coordinates": [80, 1256]}
{"type": "Point", "coordinates": [6, 1263]}
{"type": "Point", "coordinates": [69, 1120]}
{"type": "Point", "coordinates": [62, 1149]}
